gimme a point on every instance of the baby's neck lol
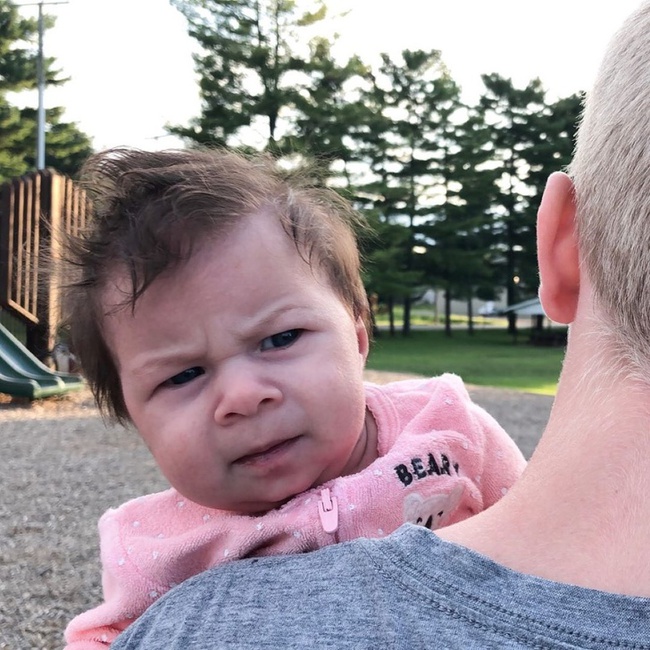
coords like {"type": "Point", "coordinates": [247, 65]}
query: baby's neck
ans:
{"type": "Point", "coordinates": [365, 451]}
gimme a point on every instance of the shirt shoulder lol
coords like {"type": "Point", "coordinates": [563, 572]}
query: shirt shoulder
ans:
{"type": "Point", "coordinates": [403, 591]}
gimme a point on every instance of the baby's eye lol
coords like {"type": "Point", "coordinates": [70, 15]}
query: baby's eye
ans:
{"type": "Point", "coordinates": [185, 376]}
{"type": "Point", "coordinates": [281, 340]}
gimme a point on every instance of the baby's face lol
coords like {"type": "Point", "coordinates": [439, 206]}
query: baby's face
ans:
{"type": "Point", "coordinates": [243, 372]}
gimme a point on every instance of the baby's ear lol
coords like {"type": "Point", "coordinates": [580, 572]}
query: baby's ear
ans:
{"type": "Point", "coordinates": [363, 338]}
{"type": "Point", "coordinates": [557, 250]}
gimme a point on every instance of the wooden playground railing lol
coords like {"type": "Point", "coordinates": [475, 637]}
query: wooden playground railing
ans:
{"type": "Point", "coordinates": [34, 210]}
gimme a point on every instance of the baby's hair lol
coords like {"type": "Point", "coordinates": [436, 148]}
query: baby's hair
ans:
{"type": "Point", "coordinates": [151, 210]}
{"type": "Point", "coordinates": [611, 172]}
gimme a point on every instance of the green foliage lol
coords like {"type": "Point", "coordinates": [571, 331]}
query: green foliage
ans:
{"type": "Point", "coordinates": [457, 184]}
{"type": "Point", "coordinates": [414, 100]}
{"type": "Point", "coordinates": [490, 357]}
{"type": "Point", "coordinates": [13, 134]}
{"type": "Point", "coordinates": [18, 63]}
{"type": "Point", "coordinates": [530, 138]}
{"type": "Point", "coordinates": [66, 145]}
{"type": "Point", "coordinates": [252, 73]}
{"type": "Point", "coordinates": [328, 110]}
{"type": "Point", "coordinates": [387, 274]}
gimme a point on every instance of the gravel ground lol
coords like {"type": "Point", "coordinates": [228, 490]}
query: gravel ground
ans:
{"type": "Point", "coordinates": [61, 466]}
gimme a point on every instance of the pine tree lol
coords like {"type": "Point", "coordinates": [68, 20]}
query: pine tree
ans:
{"type": "Point", "coordinates": [329, 111]}
{"type": "Point", "coordinates": [509, 111]}
{"type": "Point", "coordinates": [531, 137]}
{"type": "Point", "coordinates": [250, 65]}
{"type": "Point", "coordinates": [413, 99]}
{"type": "Point", "coordinates": [66, 145]}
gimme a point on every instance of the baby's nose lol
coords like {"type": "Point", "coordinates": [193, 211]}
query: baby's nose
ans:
{"type": "Point", "coordinates": [242, 392]}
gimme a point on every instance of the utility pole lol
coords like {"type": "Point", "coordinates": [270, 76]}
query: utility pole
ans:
{"type": "Point", "coordinates": [40, 74]}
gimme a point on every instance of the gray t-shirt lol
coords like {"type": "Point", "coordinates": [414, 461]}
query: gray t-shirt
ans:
{"type": "Point", "coordinates": [410, 590]}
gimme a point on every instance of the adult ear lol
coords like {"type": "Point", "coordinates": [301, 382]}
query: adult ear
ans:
{"type": "Point", "coordinates": [557, 250]}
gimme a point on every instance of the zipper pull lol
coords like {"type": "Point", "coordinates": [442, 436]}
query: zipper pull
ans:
{"type": "Point", "coordinates": [328, 509]}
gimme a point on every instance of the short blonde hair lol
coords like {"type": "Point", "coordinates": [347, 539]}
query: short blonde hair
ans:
{"type": "Point", "coordinates": [611, 173]}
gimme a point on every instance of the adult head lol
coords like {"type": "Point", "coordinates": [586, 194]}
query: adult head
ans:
{"type": "Point", "coordinates": [611, 185]}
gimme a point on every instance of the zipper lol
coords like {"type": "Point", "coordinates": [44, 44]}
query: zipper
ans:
{"type": "Point", "coordinates": [328, 510]}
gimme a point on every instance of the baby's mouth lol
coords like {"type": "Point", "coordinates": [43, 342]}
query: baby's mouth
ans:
{"type": "Point", "coordinates": [271, 450]}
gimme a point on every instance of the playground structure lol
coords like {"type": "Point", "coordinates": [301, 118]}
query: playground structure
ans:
{"type": "Point", "coordinates": [23, 375]}
{"type": "Point", "coordinates": [36, 210]}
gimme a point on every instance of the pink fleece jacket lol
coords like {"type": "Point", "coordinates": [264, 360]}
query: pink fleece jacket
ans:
{"type": "Point", "coordinates": [441, 459]}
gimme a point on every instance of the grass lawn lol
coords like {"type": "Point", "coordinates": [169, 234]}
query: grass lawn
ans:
{"type": "Point", "coordinates": [488, 358]}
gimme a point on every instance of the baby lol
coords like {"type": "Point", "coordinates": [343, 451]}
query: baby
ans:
{"type": "Point", "coordinates": [220, 310]}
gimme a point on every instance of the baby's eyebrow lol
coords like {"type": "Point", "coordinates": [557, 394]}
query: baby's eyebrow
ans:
{"type": "Point", "coordinates": [278, 316]}
{"type": "Point", "coordinates": [161, 360]}
{"type": "Point", "coordinates": [277, 311]}
{"type": "Point", "coordinates": [149, 363]}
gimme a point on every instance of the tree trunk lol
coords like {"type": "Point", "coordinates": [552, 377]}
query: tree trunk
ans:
{"type": "Point", "coordinates": [447, 312]}
{"type": "Point", "coordinates": [512, 323]}
{"type": "Point", "coordinates": [470, 317]}
{"type": "Point", "coordinates": [391, 316]}
{"type": "Point", "coordinates": [406, 325]}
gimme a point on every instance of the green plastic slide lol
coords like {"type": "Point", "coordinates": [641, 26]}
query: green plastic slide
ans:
{"type": "Point", "coordinates": [23, 375]}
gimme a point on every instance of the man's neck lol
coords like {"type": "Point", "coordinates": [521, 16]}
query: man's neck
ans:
{"type": "Point", "coordinates": [580, 513]}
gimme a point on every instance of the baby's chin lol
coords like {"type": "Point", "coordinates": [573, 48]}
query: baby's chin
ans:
{"type": "Point", "coordinates": [274, 497]}
{"type": "Point", "coordinates": [251, 508]}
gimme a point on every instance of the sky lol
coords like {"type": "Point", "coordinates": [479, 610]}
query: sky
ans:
{"type": "Point", "coordinates": [131, 70]}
